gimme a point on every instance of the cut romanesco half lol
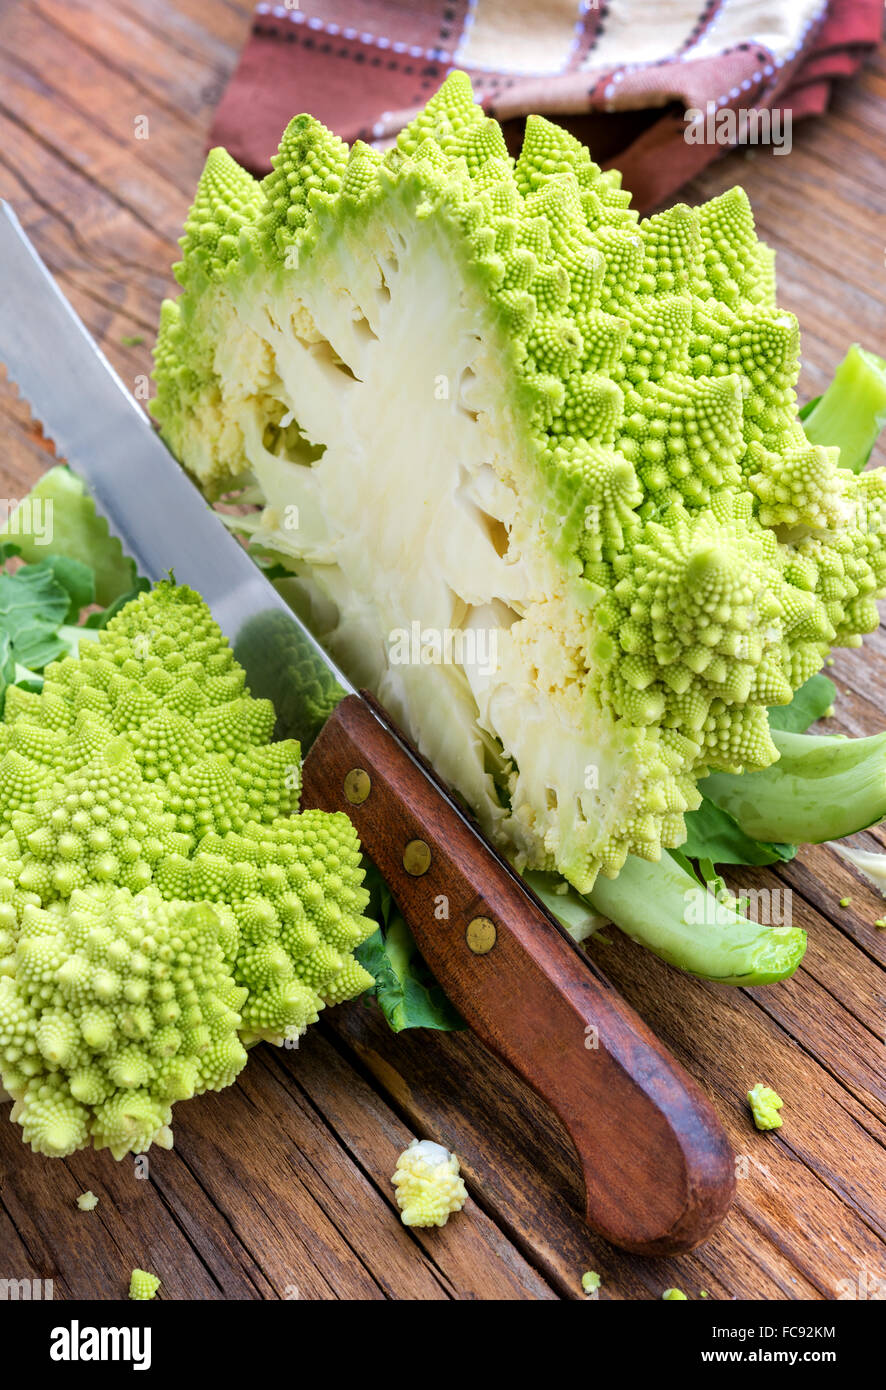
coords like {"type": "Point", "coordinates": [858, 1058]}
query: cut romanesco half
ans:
{"type": "Point", "coordinates": [429, 1187]}
{"type": "Point", "coordinates": [765, 1105]}
{"type": "Point", "coordinates": [482, 397]}
{"type": "Point", "coordinates": [162, 904]}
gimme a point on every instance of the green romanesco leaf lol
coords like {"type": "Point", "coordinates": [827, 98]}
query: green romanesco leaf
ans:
{"type": "Point", "coordinates": [61, 518]}
{"type": "Point", "coordinates": [406, 992]}
{"type": "Point", "coordinates": [813, 701]}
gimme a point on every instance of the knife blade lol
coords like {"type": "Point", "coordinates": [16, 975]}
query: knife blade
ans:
{"type": "Point", "coordinates": [657, 1168]}
{"type": "Point", "coordinates": [98, 426]}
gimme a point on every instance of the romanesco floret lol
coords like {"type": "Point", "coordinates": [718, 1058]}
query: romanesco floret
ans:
{"type": "Point", "coordinates": [118, 1005]}
{"type": "Point", "coordinates": [765, 1105]}
{"type": "Point", "coordinates": [614, 489]}
{"type": "Point", "coordinates": [87, 1201]}
{"type": "Point", "coordinates": [162, 904]}
{"type": "Point", "coordinates": [429, 1187]}
{"type": "Point", "coordinates": [674, 1296]}
{"type": "Point", "coordinates": [590, 1281]}
{"type": "Point", "coordinates": [142, 1285]}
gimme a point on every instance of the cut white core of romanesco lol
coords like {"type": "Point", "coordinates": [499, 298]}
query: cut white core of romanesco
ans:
{"type": "Point", "coordinates": [481, 397]}
{"type": "Point", "coordinates": [429, 1187]}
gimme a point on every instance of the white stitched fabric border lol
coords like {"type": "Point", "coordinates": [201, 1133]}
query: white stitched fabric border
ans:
{"type": "Point", "coordinates": [637, 32]}
{"type": "Point", "coordinates": [780, 26]}
{"type": "Point", "coordinates": [323, 26]}
{"type": "Point", "coordinates": [521, 37]}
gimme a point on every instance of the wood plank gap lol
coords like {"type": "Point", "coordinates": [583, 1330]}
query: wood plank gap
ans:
{"type": "Point", "coordinates": [67, 98]}
{"type": "Point", "coordinates": [287, 1079]}
{"type": "Point", "coordinates": [534, 1258]}
{"type": "Point", "coordinates": [79, 171]}
{"type": "Point", "coordinates": [176, 112]}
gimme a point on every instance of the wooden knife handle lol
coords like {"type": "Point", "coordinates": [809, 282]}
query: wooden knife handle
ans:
{"type": "Point", "coordinates": [658, 1169]}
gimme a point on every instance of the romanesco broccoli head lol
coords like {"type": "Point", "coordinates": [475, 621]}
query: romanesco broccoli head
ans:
{"type": "Point", "coordinates": [162, 903]}
{"type": "Point", "coordinates": [429, 1187]}
{"type": "Point", "coordinates": [501, 404]}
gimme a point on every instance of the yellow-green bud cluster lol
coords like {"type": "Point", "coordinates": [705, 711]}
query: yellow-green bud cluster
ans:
{"type": "Point", "coordinates": [118, 1005]}
{"type": "Point", "coordinates": [144, 774]}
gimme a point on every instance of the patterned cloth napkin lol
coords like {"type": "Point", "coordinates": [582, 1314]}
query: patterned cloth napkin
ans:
{"type": "Point", "coordinates": [619, 73]}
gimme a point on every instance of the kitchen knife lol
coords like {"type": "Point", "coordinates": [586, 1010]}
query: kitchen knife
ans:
{"type": "Point", "coordinates": [657, 1167]}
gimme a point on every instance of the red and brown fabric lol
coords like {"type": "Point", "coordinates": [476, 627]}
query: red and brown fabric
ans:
{"type": "Point", "coordinates": [620, 73]}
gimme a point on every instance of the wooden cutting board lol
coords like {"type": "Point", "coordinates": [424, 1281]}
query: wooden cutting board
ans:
{"type": "Point", "coordinates": [279, 1187]}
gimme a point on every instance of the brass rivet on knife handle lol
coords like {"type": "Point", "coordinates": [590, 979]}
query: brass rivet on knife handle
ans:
{"type": "Point", "coordinates": [480, 935]}
{"type": "Point", "coordinates": [417, 858]}
{"type": "Point", "coordinates": [358, 785]}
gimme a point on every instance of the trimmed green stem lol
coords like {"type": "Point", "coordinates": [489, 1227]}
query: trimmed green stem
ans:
{"type": "Point", "coordinates": [668, 911]}
{"type": "Point", "coordinates": [820, 789]}
{"type": "Point", "coordinates": [852, 411]}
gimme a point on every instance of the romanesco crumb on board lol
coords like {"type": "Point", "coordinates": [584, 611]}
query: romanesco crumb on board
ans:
{"type": "Point", "coordinates": [590, 1281]}
{"type": "Point", "coordinates": [765, 1105]}
{"type": "Point", "coordinates": [674, 1296]}
{"type": "Point", "coordinates": [87, 1201]}
{"type": "Point", "coordinates": [142, 1285]}
{"type": "Point", "coordinates": [616, 489]}
{"type": "Point", "coordinates": [429, 1185]}
{"type": "Point", "coordinates": [162, 905]}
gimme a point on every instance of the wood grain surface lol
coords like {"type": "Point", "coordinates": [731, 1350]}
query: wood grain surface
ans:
{"type": "Point", "coordinates": [657, 1168]}
{"type": "Point", "coordinates": [280, 1187]}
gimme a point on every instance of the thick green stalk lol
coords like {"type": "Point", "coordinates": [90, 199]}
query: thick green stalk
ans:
{"type": "Point", "coordinates": [852, 411]}
{"type": "Point", "coordinates": [666, 910]}
{"type": "Point", "coordinates": [566, 903]}
{"type": "Point", "coordinates": [820, 789]}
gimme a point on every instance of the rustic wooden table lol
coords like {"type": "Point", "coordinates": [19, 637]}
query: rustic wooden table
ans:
{"type": "Point", "coordinates": [280, 1186]}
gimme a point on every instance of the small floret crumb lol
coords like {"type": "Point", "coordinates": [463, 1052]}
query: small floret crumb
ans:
{"type": "Point", "coordinates": [429, 1188]}
{"type": "Point", "coordinates": [674, 1296]}
{"type": "Point", "coordinates": [590, 1281]}
{"type": "Point", "coordinates": [765, 1105]}
{"type": "Point", "coordinates": [87, 1201]}
{"type": "Point", "coordinates": [142, 1285]}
